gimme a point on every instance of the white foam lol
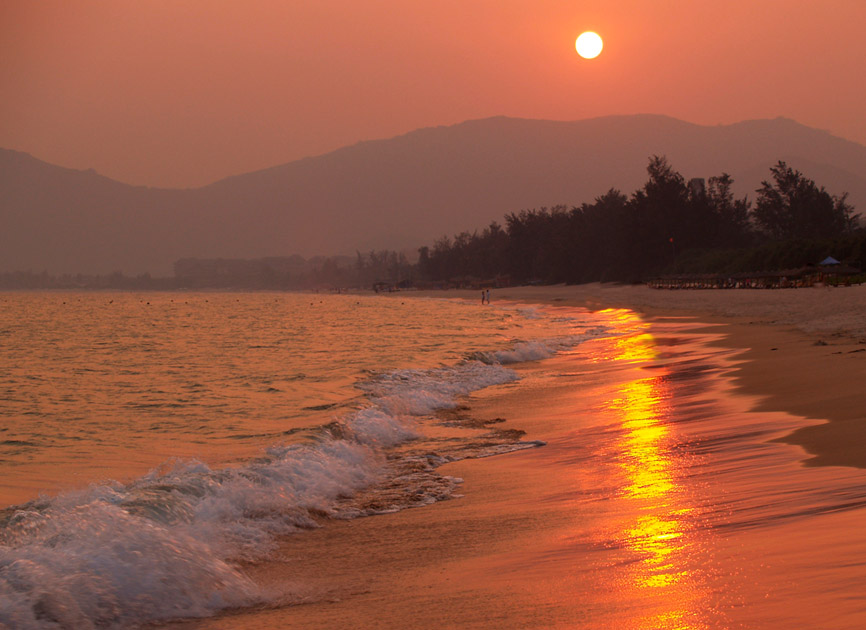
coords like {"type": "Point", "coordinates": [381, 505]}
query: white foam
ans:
{"type": "Point", "coordinates": [538, 349]}
{"type": "Point", "coordinates": [159, 547]}
{"type": "Point", "coordinates": [96, 565]}
{"type": "Point", "coordinates": [421, 392]}
{"type": "Point", "coordinates": [374, 427]}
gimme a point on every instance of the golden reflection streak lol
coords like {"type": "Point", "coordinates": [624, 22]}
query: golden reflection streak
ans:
{"type": "Point", "coordinates": [658, 532]}
{"type": "Point", "coordinates": [635, 345]}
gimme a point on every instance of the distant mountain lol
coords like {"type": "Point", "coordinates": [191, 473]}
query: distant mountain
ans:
{"type": "Point", "coordinates": [395, 193]}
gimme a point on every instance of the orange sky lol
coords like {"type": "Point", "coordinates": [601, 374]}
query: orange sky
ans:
{"type": "Point", "coordinates": [184, 92]}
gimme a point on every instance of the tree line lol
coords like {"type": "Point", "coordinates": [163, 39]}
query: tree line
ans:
{"type": "Point", "coordinates": [668, 225]}
{"type": "Point", "coordinates": [286, 273]}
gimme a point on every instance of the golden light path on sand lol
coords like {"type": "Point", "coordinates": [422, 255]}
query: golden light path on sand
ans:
{"type": "Point", "coordinates": [657, 535]}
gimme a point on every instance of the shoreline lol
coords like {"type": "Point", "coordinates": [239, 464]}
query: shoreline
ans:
{"type": "Point", "coordinates": [516, 549]}
{"type": "Point", "coordinates": [803, 351]}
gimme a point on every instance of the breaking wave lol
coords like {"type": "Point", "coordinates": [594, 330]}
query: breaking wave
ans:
{"type": "Point", "coordinates": [167, 545]}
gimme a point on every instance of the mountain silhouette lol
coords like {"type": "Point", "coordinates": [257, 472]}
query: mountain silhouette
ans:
{"type": "Point", "coordinates": [395, 193]}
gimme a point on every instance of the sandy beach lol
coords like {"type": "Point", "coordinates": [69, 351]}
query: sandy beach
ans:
{"type": "Point", "coordinates": [514, 552]}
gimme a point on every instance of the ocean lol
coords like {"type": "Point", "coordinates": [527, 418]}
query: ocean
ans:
{"type": "Point", "coordinates": [271, 460]}
{"type": "Point", "coordinates": [151, 442]}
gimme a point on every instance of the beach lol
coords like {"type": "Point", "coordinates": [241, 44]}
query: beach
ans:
{"type": "Point", "coordinates": [804, 349]}
{"type": "Point", "coordinates": [701, 471]}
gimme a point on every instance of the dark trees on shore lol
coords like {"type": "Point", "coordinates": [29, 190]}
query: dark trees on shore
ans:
{"type": "Point", "coordinates": [795, 207]}
{"type": "Point", "coordinates": [731, 223]}
{"type": "Point", "coordinates": [665, 225]}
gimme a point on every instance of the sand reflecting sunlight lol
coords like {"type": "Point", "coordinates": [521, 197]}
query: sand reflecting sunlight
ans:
{"type": "Point", "coordinates": [657, 529]}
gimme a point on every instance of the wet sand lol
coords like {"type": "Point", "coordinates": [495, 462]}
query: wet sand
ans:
{"type": "Point", "coordinates": [805, 349]}
{"type": "Point", "coordinates": [514, 551]}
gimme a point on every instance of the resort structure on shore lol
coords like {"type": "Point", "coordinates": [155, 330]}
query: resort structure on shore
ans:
{"type": "Point", "coordinates": [834, 274]}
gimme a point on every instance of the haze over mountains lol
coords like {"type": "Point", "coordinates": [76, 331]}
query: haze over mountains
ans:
{"type": "Point", "coordinates": [396, 193]}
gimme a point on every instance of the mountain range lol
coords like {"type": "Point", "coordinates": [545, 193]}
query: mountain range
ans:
{"type": "Point", "coordinates": [395, 193]}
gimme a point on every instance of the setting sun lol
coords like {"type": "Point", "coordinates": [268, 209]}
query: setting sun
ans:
{"type": "Point", "coordinates": [589, 45]}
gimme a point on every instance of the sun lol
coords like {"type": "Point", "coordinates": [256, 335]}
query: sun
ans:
{"type": "Point", "coordinates": [589, 45]}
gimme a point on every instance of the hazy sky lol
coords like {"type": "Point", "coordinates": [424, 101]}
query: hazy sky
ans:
{"type": "Point", "coordinates": [184, 92]}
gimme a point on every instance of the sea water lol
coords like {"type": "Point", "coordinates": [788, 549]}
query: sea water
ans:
{"type": "Point", "coordinates": [156, 448]}
{"type": "Point", "coordinates": [150, 443]}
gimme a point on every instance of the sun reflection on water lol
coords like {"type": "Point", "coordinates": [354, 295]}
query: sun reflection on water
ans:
{"type": "Point", "coordinates": [656, 530]}
{"type": "Point", "coordinates": [647, 463]}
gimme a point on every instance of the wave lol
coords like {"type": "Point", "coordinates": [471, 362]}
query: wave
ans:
{"type": "Point", "coordinates": [166, 545]}
{"type": "Point", "coordinates": [538, 349]}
